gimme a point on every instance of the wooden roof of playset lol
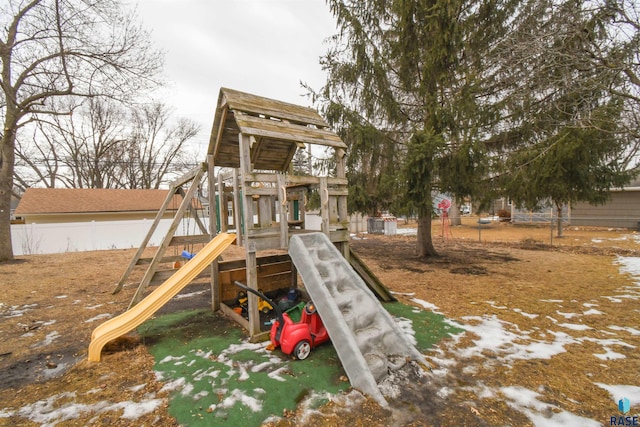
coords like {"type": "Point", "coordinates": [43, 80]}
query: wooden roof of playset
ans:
{"type": "Point", "coordinates": [278, 129]}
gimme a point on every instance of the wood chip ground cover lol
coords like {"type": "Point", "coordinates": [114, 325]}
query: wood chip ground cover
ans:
{"type": "Point", "coordinates": [551, 334]}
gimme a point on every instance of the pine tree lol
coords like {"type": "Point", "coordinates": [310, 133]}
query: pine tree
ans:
{"type": "Point", "coordinates": [406, 84]}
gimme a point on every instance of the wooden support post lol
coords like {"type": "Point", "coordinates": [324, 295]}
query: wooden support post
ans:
{"type": "Point", "coordinates": [249, 243]}
{"type": "Point", "coordinates": [252, 282]}
{"type": "Point", "coordinates": [237, 209]}
{"type": "Point", "coordinates": [283, 205]}
{"type": "Point", "coordinates": [146, 279]}
{"type": "Point", "coordinates": [213, 230]}
{"type": "Point", "coordinates": [343, 213]}
{"type": "Point", "coordinates": [324, 206]}
{"type": "Point", "coordinates": [145, 241]}
{"type": "Point", "coordinates": [222, 206]}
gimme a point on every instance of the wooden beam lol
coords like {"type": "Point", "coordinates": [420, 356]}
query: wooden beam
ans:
{"type": "Point", "coordinates": [324, 206]}
{"type": "Point", "coordinates": [278, 130]}
{"type": "Point", "coordinates": [237, 209]}
{"type": "Point", "coordinates": [145, 241]}
{"type": "Point", "coordinates": [146, 279]}
{"type": "Point", "coordinates": [189, 240]}
{"type": "Point", "coordinates": [242, 101]}
{"type": "Point", "coordinates": [250, 245]}
{"type": "Point", "coordinates": [283, 205]}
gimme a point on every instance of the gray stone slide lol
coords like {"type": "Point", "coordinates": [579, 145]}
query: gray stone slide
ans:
{"type": "Point", "coordinates": [368, 341]}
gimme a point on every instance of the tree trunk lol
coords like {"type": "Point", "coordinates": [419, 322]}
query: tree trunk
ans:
{"type": "Point", "coordinates": [559, 220]}
{"type": "Point", "coordinates": [454, 213]}
{"type": "Point", "coordinates": [425, 240]}
{"type": "Point", "coordinates": [7, 158]}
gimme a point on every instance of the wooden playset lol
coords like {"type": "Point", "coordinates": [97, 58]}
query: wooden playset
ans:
{"type": "Point", "coordinates": [255, 194]}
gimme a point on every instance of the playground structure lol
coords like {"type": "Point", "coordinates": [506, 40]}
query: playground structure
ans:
{"type": "Point", "coordinates": [255, 195]}
{"type": "Point", "coordinates": [254, 140]}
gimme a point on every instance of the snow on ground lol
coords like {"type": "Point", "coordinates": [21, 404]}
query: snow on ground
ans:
{"type": "Point", "coordinates": [541, 413]}
{"type": "Point", "coordinates": [49, 412]}
{"type": "Point", "coordinates": [15, 310]}
{"type": "Point", "coordinates": [496, 342]}
{"type": "Point", "coordinates": [98, 317]}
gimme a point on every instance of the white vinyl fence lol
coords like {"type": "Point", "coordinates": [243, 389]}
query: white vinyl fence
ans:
{"type": "Point", "coordinates": [29, 239]}
{"type": "Point", "coordinates": [32, 239]}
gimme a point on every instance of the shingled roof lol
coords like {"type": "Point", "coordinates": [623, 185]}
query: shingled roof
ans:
{"type": "Point", "coordinates": [88, 200]}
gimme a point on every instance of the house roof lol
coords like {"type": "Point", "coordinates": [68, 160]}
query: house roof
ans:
{"type": "Point", "coordinates": [278, 128]}
{"type": "Point", "coordinates": [92, 200]}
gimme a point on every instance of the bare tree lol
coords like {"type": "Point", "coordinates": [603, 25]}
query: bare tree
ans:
{"type": "Point", "coordinates": [104, 145]}
{"type": "Point", "coordinates": [156, 149]}
{"type": "Point", "coordinates": [52, 49]}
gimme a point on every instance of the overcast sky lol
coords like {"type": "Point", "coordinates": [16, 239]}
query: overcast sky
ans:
{"type": "Point", "coordinates": [264, 47]}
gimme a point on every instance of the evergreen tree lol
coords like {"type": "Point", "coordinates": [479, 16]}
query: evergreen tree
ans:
{"type": "Point", "coordinates": [566, 140]}
{"type": "Point", "coordinates": [406, 81]}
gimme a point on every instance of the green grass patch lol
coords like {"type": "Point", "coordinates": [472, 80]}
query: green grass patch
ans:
{"type": "Point", "coordinates": [217, 377]}
{"type": "Point", "coordinates": [221, 379]}
{"type": "Point", "coordinates": [429, 327]}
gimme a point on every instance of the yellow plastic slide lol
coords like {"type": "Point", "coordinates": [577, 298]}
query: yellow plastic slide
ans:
{"type": "Point", "coordinates": [134, 317]}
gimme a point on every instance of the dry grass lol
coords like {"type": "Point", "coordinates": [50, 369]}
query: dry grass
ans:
{"type": "Point", "coordinates": [486, 272]}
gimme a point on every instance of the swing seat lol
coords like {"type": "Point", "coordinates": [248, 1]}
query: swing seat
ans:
{"type": "Point", "coordinates": [187, 255]}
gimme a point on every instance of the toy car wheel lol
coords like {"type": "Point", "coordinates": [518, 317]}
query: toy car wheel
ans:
{"type": "Point", "coordinates": [302, 350]}
{"type": "Point", "coordinates": [265, 310]}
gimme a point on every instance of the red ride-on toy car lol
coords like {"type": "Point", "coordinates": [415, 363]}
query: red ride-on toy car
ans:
{"type": "Point", "coordinates": [295, 338]}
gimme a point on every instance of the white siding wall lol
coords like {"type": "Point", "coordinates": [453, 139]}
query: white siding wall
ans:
{"type": "Point", "coordinates": [28, 239]}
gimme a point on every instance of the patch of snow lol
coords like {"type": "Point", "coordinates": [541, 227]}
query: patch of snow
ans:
{"type": "Point", "coordinates": [18, 311]}
{"type": "Point", "coordinates": [529, 315]}
{"type": "Point", "coordinates": [606, 344]}
{"type": "Point", "coordinates": [46, 413]}
{"type": "Point", "coordinates": [51, 337]}
{"type": "Point", "coordinates": [173, 385]}
{"type": "Point", "coordinates": [574, 326]}
{"type": "Point", "coordinates": [591, 312]}
{"type": "Point", "coordinates": [238, 396]}
{"type": "Point", "coordinates": [425, 304]}
{"type": "Point", "coordinates": [200, 395]}
{"type": "Point", "coordinates": [53, 372]}
{"type": "Point", "coordinates": [493, 304]}
{"type": "Point", "coordinates": [187, 389]}
{"type": "Point", "coordinates": [552, 300]}
{"type": "Point", "coordinates": [609, 355]}
{"type": "Point", "coordinates": [617, 392]}
{"type": "Point", "coordinates": [567, 315]}
{"type": "Point", "coordinates": [540, 413]}
{"type": "Point", "coordinates": [134, 410]}
{"type": "Point", "coordinates": [61, 296]}
{"type": "Point", "coordinates": [170, 358]}
{"type": "Point", "coordinates": [275, 375]}
{"type": "Point", "coordinates": [443, 392]}
{"type": "Point", "coordinates": [408, 294]}
{"type": "Point", "coordinates": [98, 317]}
{"type": "Point", "coordinates": [512, 344]}
{"type": "Point", "coordinates": [631, 330]}
{"type": "Point", "coordinates": [406, 326]}
{"type": "Point", "coordinates": [93, 307]}
{"type": "Point", "coordinates": [244, 374]}
{"type": "Point", "coordinates": [190, 295]}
